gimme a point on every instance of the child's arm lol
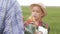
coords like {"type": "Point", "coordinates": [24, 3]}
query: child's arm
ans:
{"type": "Point", "coordinates": [47, 27]}
{"type": "Point", "coordinates": [44, 29]}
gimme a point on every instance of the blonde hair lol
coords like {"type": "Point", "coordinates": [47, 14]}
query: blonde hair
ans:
{"type": "Point", "coordinates": [43, 9]}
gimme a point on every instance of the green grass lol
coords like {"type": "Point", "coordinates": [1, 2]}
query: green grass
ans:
{"type": "Point", "coordinates": [52, 18]}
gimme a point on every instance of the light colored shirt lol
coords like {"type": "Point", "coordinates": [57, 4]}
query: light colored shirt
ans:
{"type": "Point", "coordinates": [43, 30]}
{"type": "Point", "coordinates": [11, 21]}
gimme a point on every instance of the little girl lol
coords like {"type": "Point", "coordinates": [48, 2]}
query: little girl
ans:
{"type": "Point", "coordinates": [35, 24]}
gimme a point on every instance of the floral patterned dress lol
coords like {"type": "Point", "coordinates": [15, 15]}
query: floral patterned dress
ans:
{"type": "Point", "coordinates": [30, 28]}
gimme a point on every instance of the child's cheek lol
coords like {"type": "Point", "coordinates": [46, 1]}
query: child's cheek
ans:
{"type": "Point", "coordinates": [33, 13]}
{"type": "Point", "coordinates": [37, 14]}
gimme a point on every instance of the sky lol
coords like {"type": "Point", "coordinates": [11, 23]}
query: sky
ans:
{"type": "Point", "coordinates": [45, 2]}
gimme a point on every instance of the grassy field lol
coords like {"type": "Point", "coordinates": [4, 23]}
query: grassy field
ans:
{"type": "Point", "coordinates": [52, 18]}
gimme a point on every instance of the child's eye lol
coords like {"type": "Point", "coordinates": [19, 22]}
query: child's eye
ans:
{"type": "Point", "coordinates": [38, 11]}
{"type": "Point", "coordinates": [33, 11]}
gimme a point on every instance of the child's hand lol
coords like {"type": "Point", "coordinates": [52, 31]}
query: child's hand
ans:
{"type": "Point", "coordinates": [32, 18]}
{"type": "Point", "coordinates": [39, 32]}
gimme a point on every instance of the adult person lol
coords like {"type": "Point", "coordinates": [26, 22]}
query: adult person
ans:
{"type": "Point", "coordinates": [11, 21]}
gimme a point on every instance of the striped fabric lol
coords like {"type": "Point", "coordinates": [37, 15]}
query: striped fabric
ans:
{"type": "Point", "coordinates": [11, 21]}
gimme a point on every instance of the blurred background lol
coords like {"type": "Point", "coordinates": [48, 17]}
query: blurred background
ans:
{"type": "Point", "coordinates": [52, 8]}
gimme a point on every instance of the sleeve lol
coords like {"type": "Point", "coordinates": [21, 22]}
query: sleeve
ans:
{"type": "Point", "coordinates": [12, 16]}
{"type": "Point", "coordinates": [47, 26]}
{"type": "Point", "coordinates": [2, 15]}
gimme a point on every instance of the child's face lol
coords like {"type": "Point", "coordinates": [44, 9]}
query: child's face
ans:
{"type": "Point", "coordinates": [36, 12]}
